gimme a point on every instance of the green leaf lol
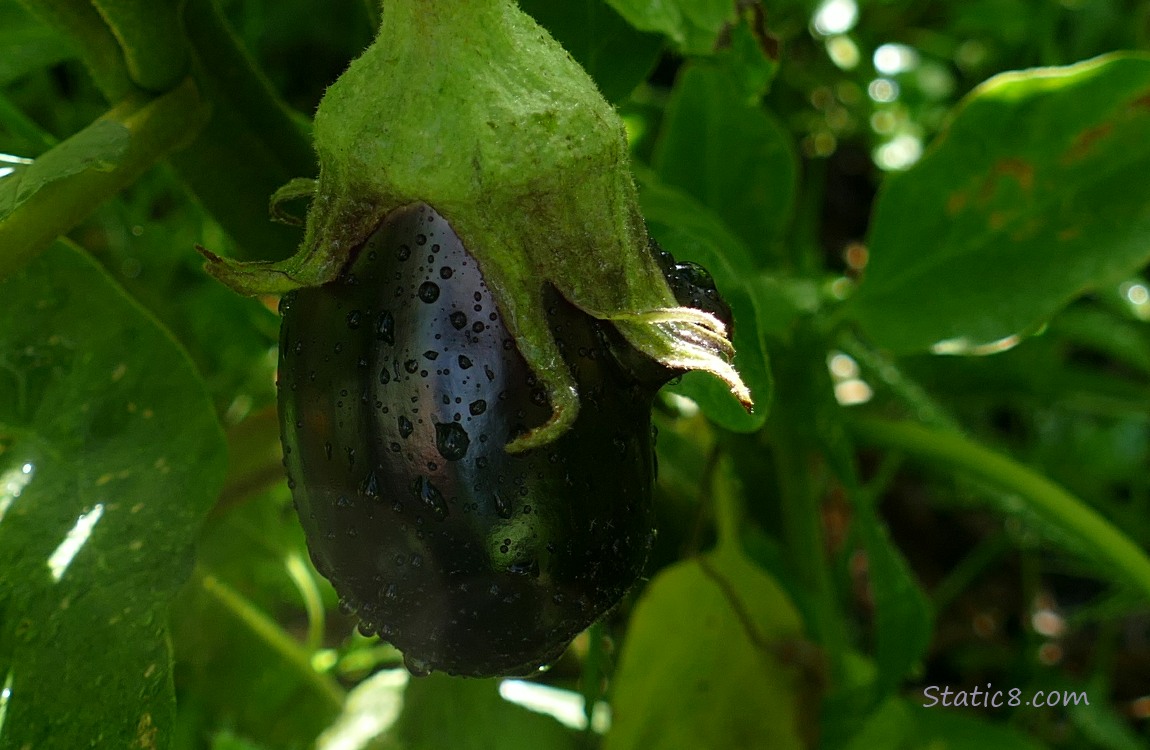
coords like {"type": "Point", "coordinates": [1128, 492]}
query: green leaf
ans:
{"type": "Point", "coordinates": [693, 25]}
{"type": "Point", "coordinates": [953, 730]}
{"type": "Point", "coordinates": [616, 54]}
{"type": "Point", "coordinates": [1034, 193]}
{"type": "Point", "coordinates": [752, 56]}
{"type": "Point", "coordinates": [28, 44]}
{"type": "Point", "coordinates": [903, 623]}
{"type": "Point", "coordinates": [99, 147]}
{"type": "Point", "coordinates": [110, 456]}
{"type": "Point", "coordinates": [692, 233]}
{"type": "Point", "coordinates": [466, 714]}
{"type": "Point", "coordinates": [729, 154]}
{"type": "Point", "coordinates": [733, 640]}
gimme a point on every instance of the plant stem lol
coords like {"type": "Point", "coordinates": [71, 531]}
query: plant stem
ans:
{"type": "Point", "coordinates": [806, 547]}
{"type": "Point", "coordinates": [1074, 518]}
{"type": "Point", "coordinates": [155, 128]}
{"type": "Point", "coordinates": [252, 619]}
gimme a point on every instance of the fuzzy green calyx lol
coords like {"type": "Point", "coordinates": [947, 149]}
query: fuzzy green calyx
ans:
{"type": "Point", "coordinates": [472, 108]}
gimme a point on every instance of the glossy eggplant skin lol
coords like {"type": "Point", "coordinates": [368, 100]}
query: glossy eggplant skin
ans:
{"type": "Point", "coordinates": [399, 387]}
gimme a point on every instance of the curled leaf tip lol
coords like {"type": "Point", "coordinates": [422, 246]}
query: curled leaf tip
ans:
{"type": "Point", "coordinates": [564, 410]}
{"type": "Point", "coordinates": [250, 279]}
{"type": "Point", "coordinates": [687, 339]}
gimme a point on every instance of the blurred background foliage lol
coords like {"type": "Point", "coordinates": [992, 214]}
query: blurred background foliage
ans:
{"type": "Point", "coordinates": [946, 481]}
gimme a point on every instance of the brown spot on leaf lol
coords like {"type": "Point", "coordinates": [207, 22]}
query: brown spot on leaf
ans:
{"type": "Point", "coordinates": [751, 11]}
{"type": "Point", "coordinates": [1142, 102]}
{"type": "Point", "coordinates": [1069, 233]}
{"type": "Point", "coordinates": [1019, 169]}
{"type": "Point", "coordinates": [1085, 141]}
{"type": "Point", "coordinates": [956, 202]}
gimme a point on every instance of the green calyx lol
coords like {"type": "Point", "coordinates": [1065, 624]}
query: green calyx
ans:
{"type": "Point", "coordinates": [469, 106]}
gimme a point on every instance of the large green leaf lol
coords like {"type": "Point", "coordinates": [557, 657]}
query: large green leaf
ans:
{"type": "Point", "coordinates": [1034, 193]}
{"type": "Point", "coordinates": [110, 456]}
{"type": "Point", "coordinates": [705, 663]}
{"type": "Point", "coordinates": [692, 233]}
{"type": "Point", "coordinates": [614, 53]}
{"type": "Point", "coordinates": [730, 154]}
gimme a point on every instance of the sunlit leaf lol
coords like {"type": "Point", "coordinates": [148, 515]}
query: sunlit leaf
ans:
{"type": "Point", "coordinates": [110, 455]}
{"type": "Point", "coordinates": [1035, 193]}
{"type": "Point", "coordinates": [710, 662]}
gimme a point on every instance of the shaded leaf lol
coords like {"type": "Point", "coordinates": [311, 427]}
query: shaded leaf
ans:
{"type": "Point", "coordinates": [708, 662]}
{"type": "Point", "coordinates": [612, 51]}
{"type": "Point", "coordinates": [28, 44]}
{"type": "Point", "coordinates": [1034, 193]}
{"type": "Point", "coordinates": [692, 233]}
{"type": "Point", "coordinates": [729, 154]}
{"type": "Point", "coordinates": [693, 25]}
{"type": "Point", "coordinates": [903, 622]}
{"type": "Point", "coordinates": [110, 456]}
{"type": "Point", "coordinates": [937, 727]}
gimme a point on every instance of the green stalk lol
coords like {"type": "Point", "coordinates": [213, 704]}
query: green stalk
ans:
{"type": "Point", "coordinates": [98, 47]}
{"type": "Point", "coordinates": [806, 547]}
{"type": "Point", "coordinates": [252, 143]}
{"type": "Point", "coordinates": [155, 129]}
{"type": "Point", "coordinates": [251, 619]}
{"type": "Point", "coordinates": [1073, 517]}
{"type": "Point", "coordinates": [151, 36]}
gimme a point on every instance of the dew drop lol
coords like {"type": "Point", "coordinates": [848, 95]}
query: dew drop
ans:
{"type": "Point", "coordinates": [411, 366]}
{"type": "Point", "coordinates": [405, 427]}
{"type": "Point", "coordinates": [528, 568]}
{"type": "Point", "coordinates": [370, 486]}
{"type": "Point", "coordinates": [384, 376]}
{"type": "Point", "coordinates": [431, 354]}
{"type": "Point", "coordinates": [430, 496]}
{"type": "Point", "coordinates": [327, 450]}
{"type": "Point", "coordinates": [464, 362]}
{"type": "Point", "coordinates": [452, 440]}
{"type": "Point", "coordinates": [458, 320]}
{"type": "Point", "coordinates": [429, 291]}
{"type": "Point", "coordinates": [385, 328]}
{"type": "Point", "coordinates": [446, 272]}
{"type": "Point", "coordinates": [418, 667]}
{"type": "Point", "coordinates": [502, 506]}
{"type": "Point", "coordinates": [353, 318]}
{"type": "Point", "coordinates": [404, 252]}
{"type": "Point", "coordinates": [477, 407]}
